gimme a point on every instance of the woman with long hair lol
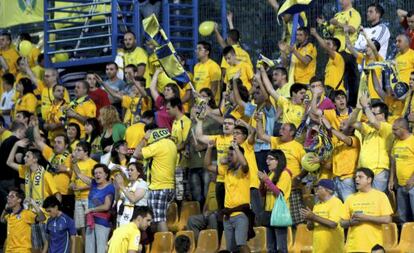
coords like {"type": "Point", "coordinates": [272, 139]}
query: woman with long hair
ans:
{"type": "Point", "coordinates": [93, 137]}
{"type": "Point", "coordinates": [134, 193]}
{"type": "Point", "coordinates": [278, 181]}
{"type": "Point", "coordinates": [113, 129]}
{"type": "Point", "coordinates": [27, 100]}
{"type": "Point", "coordinates": [73, 132]}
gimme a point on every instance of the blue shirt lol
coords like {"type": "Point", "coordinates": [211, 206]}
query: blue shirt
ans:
{"type": "Point", "coordinates": [97, 197]}
{"type": "Point", "coordinates": [60, 229]}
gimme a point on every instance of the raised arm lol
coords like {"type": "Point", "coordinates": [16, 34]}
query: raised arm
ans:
{"type": "Point", "coordinates": [344, 138]}
{"type": "Point", "coordinates": [219, 38]}
{"type": "Point", "coordinates": [112, 92]}
{"type": "Point", "coordinates": [87, 180]}
{"type": "Point", "coordinates": [230, 19]}
{"type": "Point", "coordinates": [251, 138]}
{"type": "Point", "coordinates": [36, 134]}
{"type": "Point", "coordinates": [199, 132]}
{"type": "Point", "coordinates": [260, 129]}
{"type": "Point", "coordinates": [370, 44]}
{"type": "Point", "coordinates": [378, 85]}
{"type": "Point", "coordinates": [153, 86]}
{"type": "Point", "coordinates": [305, 59]}
{"type": "Point", "coordinates": [240, 157]}
{"type": "Point", "coordinates": [138, 150]}
{"type": "Point", "coordinates": [350, 46]}
{"type": "Point", "coordinates": [274, 4]}
{"type": "Point", "coordinates": [267, 84]}
{"type": "Point", "coordinates": [235, 90]}
{"type": "Point", "coordinates": [364, 100]}
{"type": "Point", "coordinates": [10, 160]}
{"type": "Point", "coordinates": [208, 165]}
{"type": "Point", "coordinates": [322, 43]}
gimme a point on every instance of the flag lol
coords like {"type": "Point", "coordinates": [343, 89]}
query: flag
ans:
{"type": "Point", "coordinates": [294, 6]}
{"type": "Point", "coordinates": [153, 32]}
{"type": "Point", "coordinates": [264, 60]}
{"type": "Point", "coordinates": [171, 65]}
{"type": "Point", "coordinates": [17, 12]}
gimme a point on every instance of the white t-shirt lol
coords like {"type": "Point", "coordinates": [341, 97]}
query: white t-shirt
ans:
{"type": "Point", "coordinates": [139, 184]}
{"type": "Point", "coordinates": [380, 33]}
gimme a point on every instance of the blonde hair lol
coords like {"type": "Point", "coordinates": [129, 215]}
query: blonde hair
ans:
{"type": "Point", "coordinates": [108, 116]}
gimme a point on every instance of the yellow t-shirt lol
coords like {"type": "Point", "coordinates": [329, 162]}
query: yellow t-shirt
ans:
{"type": "Point", "coordinates": [303, 73]}
{"type": "Point", "coordinates": [251, 161]}
{"type": "Point", "coordinates": [241, 55]}
{"type": "Point", "coordinates": [350, 17]}
{"type": "Point", "coordinates": [375, 146]}
{"type": "Point", "coordinates": [284, 184]}
{"type": "Point", "coordinates": [19, 231]}
{"type": "Point", "coordinates": [179, 133]}
{"type": "Point", "coordinates": [403, 153]}
{"type": "Point", "coordinates": [26, 103]}
{"type": "Point", "coordinates": [136, 57]}
{"type": "Point", "coordinates": [34, 53]}
{"type": "Point", "coordinates": [362, 237]}
{"type": "Point", "coordinates": [134, 134]}
{"type": "Point", "coordinates": [6, 134]}
{"type": "Point", "coordinates": [39, 88]}
{"type": "Point", "coordinates": [284, 91]}
{"type": "Point", "coordinates": [405, 65]}
{"type": "Point", "coordinates": [334, 72]}
{"type": "Point", "coordinates": [223, 142]}
{"type": "Point", "coordinates": [395, 108]}
{"type": "Point", "coordinates": [246, 74]}
{"type": "Point", "coordinates": [131, 106]}
{"type": "Point", "coordinates": [86, 109]}
{"type": "Point", "coordinates": [10, 56]}
{"type": "Point", "coordinates": [39, 72]}
{"type": "Point", "coordinates": [86, 168]}
{"type": "Point", "coordinates": [293, 151]}
{"type": "Point", "coordinates": [335, 120]}
{"type": "Point", "coordinates": [125, 238]}
{"type": "Point", "coordinates": [363, 59]}
{"type": "Point", "coordinates": [62, 179]}
{"type": "Point", "coordinates": [53, 116]}
{"type": "Point", "coordinates": [345, 158]}
{"type": "Point", "coordinates": [329, 239]}
{"type": "Point", "coordinates": [164, 160]}
{"type": "Point", "coordinates": [49, 186]}
{"type": "Point", "coordinates": [47, 99]}
{"type": "Point", "coordinates": [291, 113]}
{"type": "Point", "coordinates": [206, 73]}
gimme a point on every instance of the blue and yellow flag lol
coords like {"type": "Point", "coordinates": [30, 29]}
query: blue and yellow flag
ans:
{"type": "Point", "coordinates": [294, 6]}
{"type": "Point", "coordinates": [153, 32]}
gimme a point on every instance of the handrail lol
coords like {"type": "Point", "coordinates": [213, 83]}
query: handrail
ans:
{"type": "Point", "coordinates": [79, 27]}
{"type": "Point", "coordinates": [79, 5]}
{"type": "Point", "coordinates": [79, 17]}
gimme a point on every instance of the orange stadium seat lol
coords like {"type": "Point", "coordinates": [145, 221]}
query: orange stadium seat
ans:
{"type": "Point", "coordinates": [223, 244]}
{"type": "Point", "coordinates": [190, 235]}
{"type": "Point", "coordinates": [189, 208]}
{"type": "Point", "coordinates": [207, 241]}
{"type": "Point", "coordinates": [390, 236]}
{"type": "Point", "coordinates": [172, 217]}
{"type": "Point", "coordinates": [258, 243]}
{"type": "Point", "coordinates": [406, 244]}
{"type": "Point", "coordinates": [163, 242]}
{"type": "Point", "coordinates": [303, 240]}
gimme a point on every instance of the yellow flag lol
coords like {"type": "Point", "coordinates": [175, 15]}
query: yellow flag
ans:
{"type": "Point", "coordinates": [17, 12]}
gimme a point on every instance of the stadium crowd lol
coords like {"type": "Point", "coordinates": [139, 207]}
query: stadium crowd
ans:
{"type": "Point", "coordinates": [103, 167]}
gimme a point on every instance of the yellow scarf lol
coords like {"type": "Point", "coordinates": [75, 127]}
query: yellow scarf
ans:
{"type": "Point", "coordinates": [34, 188]}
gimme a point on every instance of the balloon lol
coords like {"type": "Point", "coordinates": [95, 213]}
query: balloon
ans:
{"type": "Point", "coordinates": [307, 164]}
{"type": "Point", "coordinates": [25, 47]}
{"type": "Point", "coordinates": [206, 28]}
{"type": "Point", "coordinates": [60, 57]}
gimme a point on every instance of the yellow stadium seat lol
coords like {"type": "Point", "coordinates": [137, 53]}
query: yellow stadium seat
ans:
{"type": "Point", "coordinates": [390, 236]}
{"type": "Point", "coordinates": [190, 235]}
{"type": "Point", "coordinates": [163, 242]}
{"type": "Point", "coordinates": [258, 243]}
{"type": "Point", "coordinates": [303, 240]}
{"type": "Point", "coordinates": [207, 241]}
{"type": "Point", "coordinates": [289, 239]}
{"type": "Point", "coordinates": [223, 244]}
{"type": "Point", "coordinates": [406, 244]}
{"type": "Point", "coordinates": [172, 217]}
{"type": "Point", "coordinates": [189, 208]}
{"type": "Point", "coordinates": [79, 244]}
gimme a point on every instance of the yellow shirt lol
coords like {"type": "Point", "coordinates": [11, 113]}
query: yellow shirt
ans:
{"type": "Point", "coordinates": [19, 231]}
{"type": "Point", "coordinates": [362, 237]}
{"type": "Point", "coordinates": [62, 179]}
{"type": "Point", "coordinates": [291, 113]}
{"type": "Point", "coordinates": [246, 74]}
{"type": "Point", "coordinates": [134, 134]}
{"type": "Point", "coordinates": [405, 65]}
{"type": "Point", "coordinates": [49, 186]}
{"type": "Point", "coordinates": [39, 72]}
{"type": "Point", "coordinates": [303, 73]}
{"type": "Point", "coordinates": [86, 168]}
{"type": "Point", "coordinates": [86, 109]}
{"type": "Point", "coordinates": [136, 57]}
{"type": "Point", "coordinates": [133, 106]}
{"type": "Point", "coordinates": [125, 238]}
{"type": "Point", "coordinates": [163, 79]}
{"type": "Point", "coordinates": [329, 239]}
{"type": "Point", "coordinates": [335, 120]}
{"type": "Point", "coordinates": [164, 159]}
{"type": "Point", "coordinates": [179, 133]}
{"type": "Point", "coordinates": [39, 87]}
{"type": "Point", "coordinates": [26, 103]}
{"type": "Point", "coordinates": [34, 53]}
{"type": "Point", "coordinates": [241, 55]}
{"type": "Point", "coordinates": [350, 17]}
{"type": "Point", "coordinates": [345, 158]}
{"type": "Point", "coordinates": [10, 56]}
{"type": "Point", "coordinates": [284, 91]}
{"type": "Point", "coordinates": [6, 134]}
{"type": "Point", "coordinates": [375, 146]}
{"type": "Point", "coordinates": [47, 99]}
{"type": "Point", "coordinates": [54, 116]}
{"type": "Point", "coordinates": [363, 59]}
{"type": "Point", "coordinates": [284, 184]}
{"type": "Point", "coordinates": [206, 73]}
{"type": "Point", "coordinates": [251, 161]}
{"type": "Point", "coordinates": [293, 151]}
{"type": "Point", "coordinates": [395, 108]}
{"type": "Point", "coordinates": [403, 153]}
{"type": "Point", "coordinates": [334, 72]}
{"type": "Point", "coordinates": [223, 143]}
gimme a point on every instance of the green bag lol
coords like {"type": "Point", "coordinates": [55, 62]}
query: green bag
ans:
{"type": "Point", "coordinates": [280, 214]}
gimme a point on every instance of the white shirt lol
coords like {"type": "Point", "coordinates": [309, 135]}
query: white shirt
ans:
{"type": "Point", "coordinates": [139, 184]}
{"type": "Point", "coordinates": [6, 101]}
{"type": "Point", "coordinates": [378, 32]}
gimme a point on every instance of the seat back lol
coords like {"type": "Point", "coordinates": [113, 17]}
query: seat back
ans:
{"type": "Point", "coordinates": [189, 208]}
{"type": "Point", "coordinates": [190, 235]}
{"type": "Point", "coordinates": [303, 239]}
{"type": "Point", "coordinates": [163, 242]}
{"type": "Point", "coordinates": [258, 243]}
{"type": "Point", "coordinates": [407, 237]}
{"type": "Point", "coordinates": [172, 216]}
{"type": "Point", "coordinates": [389, 235]}
{"type": "Point", "coordinates": [223, 244]}
{"type": "Point", "coordinates": [207, 241]}
{"type": "Point", "coordinates": [289, 238]}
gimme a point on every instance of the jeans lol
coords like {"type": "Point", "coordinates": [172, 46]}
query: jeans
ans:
{"type": "Point", "coordinates": [405, 201]}
{"type": "Point", "coordinates": [380, 181]}
{"type": "Point", "coordinates": [235, 231]}
{"type": "Point", "coordinates": [96, 239]}
{"type": "Point", "coordinates": [256, 204]}
{"type": "Point", "coordinates": [199, 222]}
{"type": "Point", "coordinates": [199, 180]}
{"type": "Point", "coordinates": [344, 187]}
{"type": "Point", "coordinates": [276, 239]}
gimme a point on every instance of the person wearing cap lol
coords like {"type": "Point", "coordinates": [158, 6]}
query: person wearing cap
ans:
{"type": "Point", "coordinates": [365, 212]}
{"type": "Point", "coordinates": [324, 219]}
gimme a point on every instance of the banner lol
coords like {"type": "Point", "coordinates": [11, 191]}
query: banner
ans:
{"type": "Point", "coordinates": [17, 12]}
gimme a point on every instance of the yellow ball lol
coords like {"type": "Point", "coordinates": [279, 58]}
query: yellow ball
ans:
{"type": "Point", "coordinates": [307, 163]}
{"type": "Point", "coordinates": [25, 47]}
{"type": "Point", "coordinates": [60, 57]}
{"type": "Point", "coordinates": [206, 28]}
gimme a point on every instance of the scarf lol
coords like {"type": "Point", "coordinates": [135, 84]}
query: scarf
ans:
{"type": "Point", "coordinates": [35, 188]}
{"type": "Point", "coordinates": [56, 160]}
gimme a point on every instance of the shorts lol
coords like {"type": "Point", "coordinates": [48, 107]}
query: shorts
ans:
{"type": "Point", "coordinates": [80, 208]}
{"type": "Point", "coordinates": [38, 235]}
{"type": "Point", "coordinates": [158, 201]}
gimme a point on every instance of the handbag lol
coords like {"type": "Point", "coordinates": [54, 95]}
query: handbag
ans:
{"type": "Point", "coordinates": [280, 213]}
